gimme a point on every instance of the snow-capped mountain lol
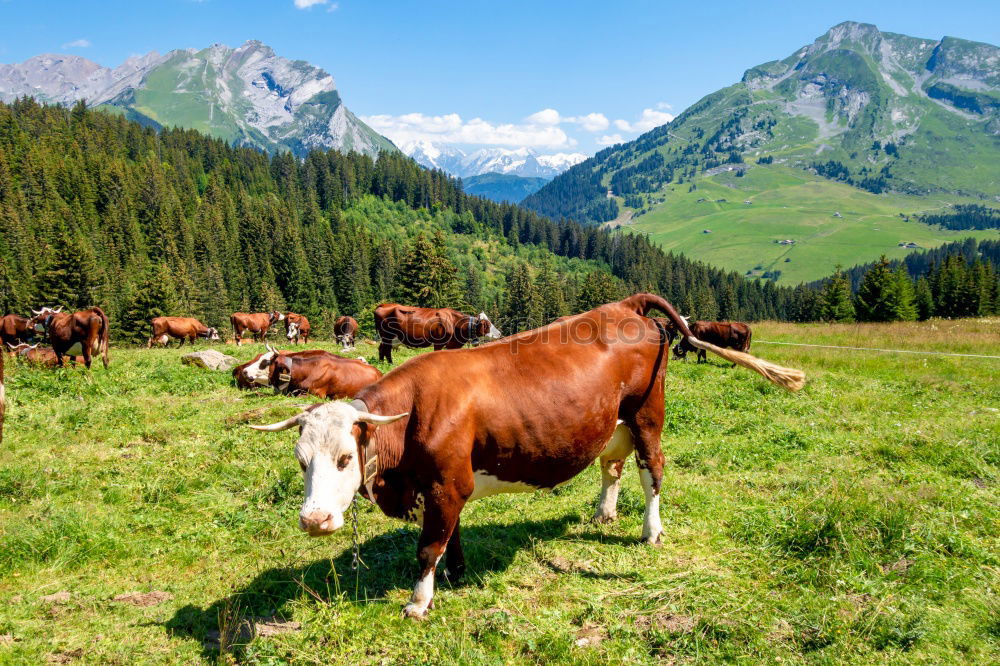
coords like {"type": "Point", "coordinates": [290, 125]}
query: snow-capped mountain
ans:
{"type": "Point", "coordinates": [247, 95]}
{"type": "Point", "coordinates": [515, 162]}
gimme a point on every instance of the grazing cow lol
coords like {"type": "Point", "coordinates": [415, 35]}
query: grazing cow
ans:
{"type": "Point", "coordinates": [441, 328]}
{"type": "Point", "coordinates": [257, 324]}
{"type": "Point", "coordinates": [182, 328]}
{"type": "Point", "coordinates": [344, 330]}
{"type": "Point", "coordinates": [15, 329]}
{"type": "Point", "coordinates": [531, 411]}
{"type": "Point", "coordinates": [732, 335]}
{"type": "Point", "coordinates": [35, 355]}
{"type": "Point", "coordinates": [257, 371]}
{"type": "Point", "coordinates": [329, 377]}
{"type": "Point", "coordinates": [74, 333]}
{"type": "Point", "coordinates": [296, 325]}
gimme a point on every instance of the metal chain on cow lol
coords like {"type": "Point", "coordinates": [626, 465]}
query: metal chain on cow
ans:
{"type": "Point", "coordinates": [355, 538]}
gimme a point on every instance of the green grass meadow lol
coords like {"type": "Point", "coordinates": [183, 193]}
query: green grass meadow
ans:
{"type": "Point", "coordinates": [790, 204]}
{"type": "Point", "coordinates": [857, 521]}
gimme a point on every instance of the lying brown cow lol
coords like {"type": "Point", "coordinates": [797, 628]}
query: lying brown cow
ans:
{"type": "Point", "coordinates": [296, 325]}
{"type": "Point", "coordinates": [180, 328]}
{"type": "Point", "coordinates": [440, 328]}
{"type": "Point", "coordinates": [344, 331]}
{"type": "Point", "coordinates": [43, 356]}
{"type": "Point", "coordinates": [732, 335]}
{"type": "Point", "coordinates": [15, 329]}
{"type": "Point", "coordinates": [83, 333]}
{"type": "Point", "coordinates": [257, 324]}
{"type": "Point", "coordinates": [330, 376]}
{"type": "Point", "coordinates": [529, 412]}
{"type": "Point", "coordinates": [256, 372]}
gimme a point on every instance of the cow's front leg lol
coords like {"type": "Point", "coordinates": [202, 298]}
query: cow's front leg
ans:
{"type": "Point", "coordinates": [440, 519]}
{"type": "Point", "coordinates": [455, 557]}
{"type": "Point", "coordinates": [611, 477]}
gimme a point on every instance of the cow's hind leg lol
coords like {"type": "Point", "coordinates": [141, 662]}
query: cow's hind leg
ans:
{"type": "Point", "coordinates": [440, 520]}
{"type": "Point", "coordinates": [649, 458]}
{"type": "Point", "coordinates": [385, 351]}
{"type": "Point", "coordinates": [612, 460]}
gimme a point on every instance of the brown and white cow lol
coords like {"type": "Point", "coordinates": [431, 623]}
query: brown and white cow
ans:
{"type": "Point", "coordinates": [440, 328]}
{"type": "Point", "coordinates": [180, 328]}
{"type": "Point", "coordinates": [531, 411]}
{"type": "Point", "coordinates": [15, 329]}
{"type": "Point", "coordinates": [732, 335]}
{"type": "Point", "coordinates": [330, 377]}
{"type": "Point", "coordinates": [297, 325]}
{"type": "Point", "coordinates": [35, 355]}
{"type": "Point", "coordinates": [257, 372]}
{"type": "Point", "coordinates": [83, 333]}
{"type": "Point", "coordinates": [256, 323]}
{"type": "Point", "coordinates": [344, 331]}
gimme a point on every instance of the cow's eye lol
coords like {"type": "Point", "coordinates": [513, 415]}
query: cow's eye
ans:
{"type": "Point", "coordinates": [343, 460]}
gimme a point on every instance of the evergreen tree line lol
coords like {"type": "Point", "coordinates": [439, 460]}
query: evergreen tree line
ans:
{"type": "Point", "coordinates": [965, 216]}
{"type": "Point", "coordinates": [952, 286]}
{"type": "Point", "coordinates": [96, 209]}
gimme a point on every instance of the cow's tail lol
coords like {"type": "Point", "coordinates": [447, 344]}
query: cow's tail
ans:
{"type": "Point", "coordinates": [788, 378]}
{"type": "Point", "coordinates": [746, 345]}
{"type": "Point", "coordinates": [103, 335]}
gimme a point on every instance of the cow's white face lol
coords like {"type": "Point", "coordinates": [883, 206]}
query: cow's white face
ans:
{"type": "Point", "coordinates": [494, 331]}
{"type": "Point", "coordinates": [213, 334]}
{"type": "Point", "coordinates": [257, 372]}
{"type": "Point", "coordinates": [293, 330]}
{"type": "Point", "coordinates": [327, 452]}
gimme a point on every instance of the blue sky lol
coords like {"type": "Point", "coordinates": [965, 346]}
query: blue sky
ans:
{"type": "Point", "coordinates": [554, 75]}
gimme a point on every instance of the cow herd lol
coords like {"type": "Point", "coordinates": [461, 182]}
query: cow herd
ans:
{"type": "Point", "coordinates": [518, 413]}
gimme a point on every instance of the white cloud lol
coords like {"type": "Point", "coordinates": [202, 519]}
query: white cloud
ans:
{"type": "Point", "coordinates": [77, 44]}
{"type": "Point", "coordinates": [545, 117]}
{"type": "Point", "coordinates": [610, 140]}
{"type": "Point", "coordinates": [649, 119]}
{"type": "Point", "coordinates": [592, 122]}
{"type": "Point", "coordinates": [539, 131]}
{"type": "Point", "coordinates": [306, 4]}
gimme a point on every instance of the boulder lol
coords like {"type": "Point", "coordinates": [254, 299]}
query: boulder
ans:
{"type": "Point", "coordinates": [210, 359]}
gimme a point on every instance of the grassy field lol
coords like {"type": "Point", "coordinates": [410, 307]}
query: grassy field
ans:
{"type": "Point", "coordinates": [789, 204]}
{"type": "Point", "coordinates": [141, 521]}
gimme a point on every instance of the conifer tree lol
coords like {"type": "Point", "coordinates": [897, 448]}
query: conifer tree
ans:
{"type": "Point", "coordinates": [875, 293]}
{"type": "Point", "coordinates": [552, 302]}
{"type": "Point", "coordinates": [154, 296]}
{"type": "Point", "coordinates": [836, 303]}
{"type": "Point", "coordinates": [522, 305]}
{"type": "Point", "coordinates": [924, 299]}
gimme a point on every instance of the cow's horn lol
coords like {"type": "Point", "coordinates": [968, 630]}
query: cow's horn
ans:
{"type": "Point", "coordinates": [36, 312]}
{"type": "Point", "coordinates": [271, 349]}
{"type": "Point", "coordinates": [375, 419]}
{"type": "Point", "coordinates": [280, 425]}
{"type": "Point", "coordinates": [58, 309]}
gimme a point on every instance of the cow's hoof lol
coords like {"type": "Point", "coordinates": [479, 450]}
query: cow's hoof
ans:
{"type": "Point", "coordinates": [603, 520]}
{"type": "Point", "coordinates": [414, 612]}
{"type": "Point", "coordinates": [652, 541]}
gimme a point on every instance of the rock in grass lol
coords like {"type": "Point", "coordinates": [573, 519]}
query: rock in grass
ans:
{"type": "Point", "coordinates": [210, 359]}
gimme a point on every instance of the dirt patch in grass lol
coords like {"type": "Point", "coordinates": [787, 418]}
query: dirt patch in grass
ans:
{"type": "Point", "coordinates": [252, 628]}
{"type": "Point", "coordinates": [668, 622]}
{"type": "Point", "coordinates": [143, 599]}
{"type": "Point", "coordinates": [65, 657]}
{"type": "Point", "coordinates": [57, 598]}
{"type": "Point", "coordinates": [590, 635]}
{"type": "Point", "coordinates": [564, 565]}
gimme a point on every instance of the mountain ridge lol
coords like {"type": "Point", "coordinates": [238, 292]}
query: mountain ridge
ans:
{"type": "Point", "coordinates": [247, 95]}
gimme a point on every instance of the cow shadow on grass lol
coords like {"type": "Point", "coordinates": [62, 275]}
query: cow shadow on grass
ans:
{"type": "Point", "coordinates": [388, 563]}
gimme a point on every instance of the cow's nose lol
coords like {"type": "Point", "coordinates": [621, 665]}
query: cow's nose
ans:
{"type": "Point", "coordinates": [320, 523]}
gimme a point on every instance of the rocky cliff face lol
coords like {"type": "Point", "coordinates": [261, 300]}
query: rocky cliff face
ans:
{"type": "Point", "coordinates": [248, 95]}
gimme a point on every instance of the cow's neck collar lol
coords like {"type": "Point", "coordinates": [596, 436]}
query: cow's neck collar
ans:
{"type": "Point", "coordinates": [367, 457]}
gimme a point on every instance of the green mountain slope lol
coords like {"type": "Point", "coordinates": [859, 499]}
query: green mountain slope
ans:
{"type": "Point", "coordinates": [879, 112]}
{"type": "Point", "coordinates": [502, 187]}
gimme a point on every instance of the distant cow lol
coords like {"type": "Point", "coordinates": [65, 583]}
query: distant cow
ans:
{"type": "Point", "coordinates": [297, 325]}
{"type": "Point", "coordinates": [732, 335]}
{"type": "Point", "coordinates": [344, 330]}
{"type": "Point", "coordinates": [35, 355]}
{"type": "Point", "coordinates": [440, 328]}
{"type": "Point", "coordinates": [330, 377]}
{"type": "Point", "coordinates": [256, 323]}
{"type": "Point", "coordinates": [15, 329]}
{"type": "Point", "coordinates": [181, 328]}
{"type": "Point", "coordinates": [256, 372]}
{"type": "Point", "coordinates": [83, 333]}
